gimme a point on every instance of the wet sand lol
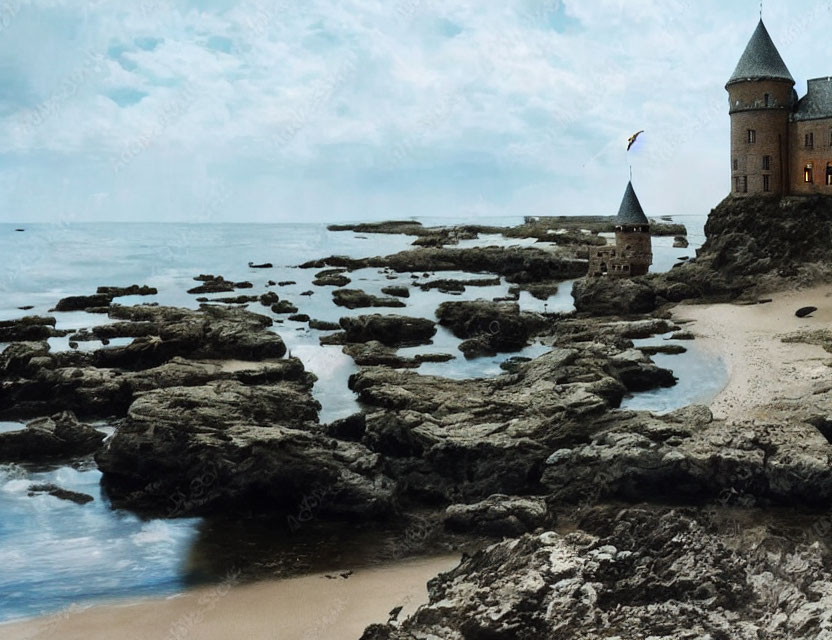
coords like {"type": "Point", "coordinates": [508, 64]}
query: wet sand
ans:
{"type": "Point", "coordinates": [314, 607]}
{"type": "Point", "coordinates": [762, 368]}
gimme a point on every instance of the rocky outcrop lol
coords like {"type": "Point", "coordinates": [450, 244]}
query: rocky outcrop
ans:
{"type": "Point", "coordinates": [489, 327]}
{"type": "Point", "coordinates": [81, 303]}
{"type": "Point", "coordinates": [35, 381]}
{"type": "Point", "coordinates": [688, 456]}
{"type": "Point", "coordinates": [62, 494]}
{"type": "Point", "coordinates": [396, 290]}
{"type": "Point", "coordinates": [60, 437]}
{"type": "Point", "coordinates": [131, 290]}
{"type": "Point", "coordinates": [518, 265]}
{"type": "Point", "coordinates": [447, 285]}
{"type": "Point", "coordinates": [331, 278]}
{"type": "Point", "coordinates": [217, 284]}
{"type": "Point", "coordinates": [228, 446]}
{"type": "Point", "coordinates": [28, 328]}
{"type": "Point", "coordinates": [356, 299]}
{"type": "Point", "coordinates": [389, 330]}
{"type": "Point", "coordinates": [613, 296]}
{"type": "Point", "coordinates": [463, 440]}
{"type": "Point", "coordinates": [374, 353]}
{"type": "Point", "coordinates": [631, 573]}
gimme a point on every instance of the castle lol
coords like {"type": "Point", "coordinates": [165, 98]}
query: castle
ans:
{"type": "Point", "coordinates": [779, 145]}
{"type": "Point", "coordinates": [632, 253]}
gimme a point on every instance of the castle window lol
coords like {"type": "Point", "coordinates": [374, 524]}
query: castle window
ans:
{"type": "Point", "coordinates": [830, 137]}
{"type": "Point", "coordinates": [829, 174]}
{"type": "Point", "coordinates": [745, 184]}
{"type": "Point", "coordinates": [766, 183]}
{"type": "Point", "coordinates": [808, 173]}
{"type": "Point", "coordinates": [736, 164]}
{"type": "Point", "coordinates": [752, 136]}
{"type": "Point", "coordinates": [810, 140]}
{"type": "Point", "coordinates": [765, 99]}
{"type": "Point", "coordinates": [766, 163]}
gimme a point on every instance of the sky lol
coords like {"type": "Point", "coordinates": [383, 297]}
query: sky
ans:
{"type": "Point", "coordinates": [325, 110]}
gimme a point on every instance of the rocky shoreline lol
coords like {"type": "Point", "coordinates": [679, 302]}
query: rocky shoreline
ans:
{"type": "Point", "coordinates": [525, 456]}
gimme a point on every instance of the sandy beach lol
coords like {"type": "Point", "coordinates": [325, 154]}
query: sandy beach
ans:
{"type": "Point", "coordinates": [761, 367]}
{"type": "Point", "coordinates": [313, 607]}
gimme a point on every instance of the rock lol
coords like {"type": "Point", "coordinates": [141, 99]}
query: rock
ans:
{"type": "Point", "coordinates": [299, 317]}
{"type": "Point", "coordinates": [307, 293]}
{"type": "Point", "coordinates": [680, 242]}
{"type": "Point", "coordinates": [334, 280]}
{"type": "Point", "coordinates": [61, 494]}
{"type": "Point", "coordinates": [498, 516]}
{"type": "Point", "coordinates": [446, 285]}
{"type": "Point", "coordinates": [80, 303]}
{"type": "Point", "coordinates": [356, 298]}
{"type": "Point", "coordinates": [232, 299]}
{"type": "Point", "coordinates": [512, 363]}
{"type": "Point", "coordinates": [265, 265]}
{"type": "Point", "coordinates": [805, 312]}
{"type": "Point", "coordinates": [613, 296]}
{"type": "Point", "coordinates": [28, 328]}
{"type": "Point", "coordinates": [214, 285]}
{"type": "Point", "coordinates": [489, 327]}
{"type": "Point", "coordinates": [400, 291]}
{"type": "Point", "coordinates": [517, 264]}
{"type": "Point", "coordinates": [541, 290]}
{"type": "Point", "coordinates": [230, 447]}
{"type": "Point", "coordinates": [269, 298]}
{"type": "Point", "coordinates": [630, 573]}
{"type": "Point", "coordinates": [683, 335]}
{"type": "Point", "coordinates": [389, 330]}
{"type": "Point", "coordinates": [132, 290]}
{"type": "Point", "coordinates": [48, 439]}
{"type": "Point", "coordinates": [350, 428]}
{"type": "Point", "coordinates": [669, 349]}
{"type": "Point", "coordinates": [323, 325]}
{"type": "Point", "coordinates": [284, 306]}
{"type": "Point", "coordinates": [286, 283]}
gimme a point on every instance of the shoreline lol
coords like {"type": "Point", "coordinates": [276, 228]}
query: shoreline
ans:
{"type": "Point", "coordinates": [309, 607]}
{"type": "Point", "coordinates": [761, 367]}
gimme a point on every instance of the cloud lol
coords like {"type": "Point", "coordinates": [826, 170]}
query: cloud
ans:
{"type": "Point", "coordinates": [117, 110]}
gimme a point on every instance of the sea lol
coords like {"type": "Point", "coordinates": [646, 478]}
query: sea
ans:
{"type": "Point", "coordinates": [55, 554]}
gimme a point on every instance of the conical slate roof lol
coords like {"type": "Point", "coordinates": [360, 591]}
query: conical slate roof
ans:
{"type": "Point", "coordinates": [761, 60]}
{"type": "Point", "coordinates": [630, 211]}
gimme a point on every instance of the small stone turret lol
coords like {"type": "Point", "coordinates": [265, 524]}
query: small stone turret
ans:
{"type": "Point", "coordinates": [632, 253]}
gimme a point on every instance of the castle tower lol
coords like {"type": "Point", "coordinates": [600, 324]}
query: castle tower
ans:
{"type": "Point", "coordinates": [761, 97]}
{"type": "Point", "coordinates": [632, 235]}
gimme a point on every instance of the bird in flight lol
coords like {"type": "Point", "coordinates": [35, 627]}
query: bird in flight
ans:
{"type": "Point", "coordinates": [632, 139]}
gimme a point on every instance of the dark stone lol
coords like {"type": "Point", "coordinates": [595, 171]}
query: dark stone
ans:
{"type": "Point", "coordinates": [47, 439]}
{"type": "Point", "coordinates": [132, 290]}
{"type": "Point", "coordinates": [322, 325]}
{"type": "Point", "coordinates": [80, 303]}
{"type": "Point", "coordinates": [284, 306]}
{"type": "Point", "coordinates": [390, 330]}
{"type": "Point", "coordinates": [61, 494]}
{"type": "Point", "coordinates": [265, 265]}
{"type": "Point", "coordinates": [805, 312]}
{"type": "Point", "coordinates": [356, 298]}
{"type": "Point", "coordinates": [399, 291]}
{"type": "Point", "coordinates": [299, 317]}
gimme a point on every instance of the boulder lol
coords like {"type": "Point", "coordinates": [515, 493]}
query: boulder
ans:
{"type": "Point", "coordinates": [498, 515]}
{"type": "Point", "coordinates": [390, 330]}
{"type": "Point", "coordinates": [60, 437]}
{"type": "Point", "coordinates": [356, 298]}
{"type": "Point", "coordinates": [613, 296]}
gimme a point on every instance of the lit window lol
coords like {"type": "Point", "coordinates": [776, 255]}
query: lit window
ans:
{"type": "Point", "coordinates": [810, 140]}
{"type": "Point", "coordinates": [766, 163]}
{"type": "Point", "coordinates": [766, 184]}
{"type": "Point", "coordinates": [808, 174]}
{"type": "Point", "coordinates": [829, 174]}
{"type": "Point", "coordinates": [752, 135]}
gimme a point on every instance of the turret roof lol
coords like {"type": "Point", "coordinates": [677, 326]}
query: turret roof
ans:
{"type": "Point", "coordinates": [761, 60]}
{"type": "Point", "coordinates": [630, 211]}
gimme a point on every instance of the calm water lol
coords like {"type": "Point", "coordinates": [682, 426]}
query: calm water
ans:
{"type": "Point", "coordinates": [55, 553]}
